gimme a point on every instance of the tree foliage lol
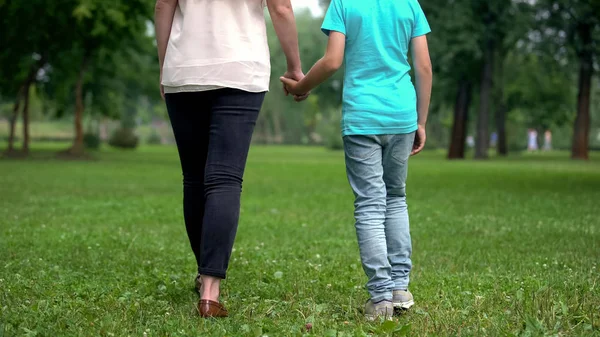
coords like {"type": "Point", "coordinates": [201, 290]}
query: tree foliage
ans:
{"type": "Point", "coordinates": [499, 66]}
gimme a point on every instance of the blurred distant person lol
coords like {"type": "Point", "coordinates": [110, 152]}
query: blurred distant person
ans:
{"type": "Point", "coordinates": [470, 141]}
{"type": "Point", "coordinates": [493, 139]}
{"type": "Point", "coordinates": [383, 123]}
{"type": "Point", "coordinates": [548, 140]}
{"type": "Point", "coordinates": [215, 70]}
{"type": "Point", "coordinates": [532, 141]}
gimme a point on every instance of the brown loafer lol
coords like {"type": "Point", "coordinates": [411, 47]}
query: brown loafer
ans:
{"type": "Point", "coordinates": [208, 308]}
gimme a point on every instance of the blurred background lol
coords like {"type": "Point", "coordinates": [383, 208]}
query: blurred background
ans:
{"type": "Point", "coordinates": [509, 76]}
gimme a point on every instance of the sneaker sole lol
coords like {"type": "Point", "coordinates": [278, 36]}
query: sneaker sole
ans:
{"type": "Point", "coordinates": [372, 318]}
{"type": "Point", "coordinates": [404, 305]}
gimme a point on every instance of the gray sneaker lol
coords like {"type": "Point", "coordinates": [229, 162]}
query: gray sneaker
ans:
{"type": "Point", "coordinates": [403, 299]}
{"type": "Point", "coordinates": [383, 309]}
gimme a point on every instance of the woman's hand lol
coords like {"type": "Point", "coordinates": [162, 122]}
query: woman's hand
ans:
{"type": "Point", "coordinates": [291, 86]}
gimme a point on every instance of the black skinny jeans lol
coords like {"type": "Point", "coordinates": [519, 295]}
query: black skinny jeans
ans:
{"type": "Point", "coordinates": [213, 130]}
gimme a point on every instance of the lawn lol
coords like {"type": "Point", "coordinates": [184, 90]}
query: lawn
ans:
{"type": "Point", "coordinates": [98, 248]}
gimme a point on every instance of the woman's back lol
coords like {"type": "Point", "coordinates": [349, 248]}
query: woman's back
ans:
{"type": "Point", "coordinates": [215, 72]}
{"type": "Point", "coordinates": [220, 43]}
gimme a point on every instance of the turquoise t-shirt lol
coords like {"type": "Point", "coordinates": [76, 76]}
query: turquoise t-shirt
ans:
{"type": "Point", "coordinates": [379, 97]}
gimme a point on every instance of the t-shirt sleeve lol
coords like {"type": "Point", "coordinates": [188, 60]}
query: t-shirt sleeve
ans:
{"type": "Point", "coordinates": [421, 26]}
{"type": "Point", "coordinates": [334, 18]}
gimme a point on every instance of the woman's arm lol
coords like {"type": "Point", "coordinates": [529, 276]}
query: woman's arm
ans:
{"type": "Point", "coordinates": [163, 20]}
{"type": "Point", "coordinates": [284, 22]}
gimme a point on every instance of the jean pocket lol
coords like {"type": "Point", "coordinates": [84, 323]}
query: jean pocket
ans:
{"type": "Point", "coordinates": [359, 148]}
{"type": "Point", "coordinates": [402, 146]}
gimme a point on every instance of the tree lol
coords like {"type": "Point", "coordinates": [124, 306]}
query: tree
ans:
{"type": "Point", "coordinates": [500, 107]}
{"type": "Point", "coordinates": [101, 26]}
{"type": "Point", "coordinates": [539, 89]}
{"type": "Point", "coordinates": [69, 40]}
{"type": "Point", "coordinates": [454, 53]}
{"type": "Point", "coordinates": [576, 24]}
{"type": "Point", "coordinates": [494, 22]}
{"type": "Point", "coordinates": [514, 24]}
{"type": "Point", "coordinates": [459, 126]}
{"type": "Point", "coordinates": [26, 55]}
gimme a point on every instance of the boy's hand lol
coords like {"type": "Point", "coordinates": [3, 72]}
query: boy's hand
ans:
{"type": "Point", "coordinates": [291, 86]}
{"type": "Point", "coordinates": [297, 76]}
{"type": "Point", "coordinates": [420, 138]}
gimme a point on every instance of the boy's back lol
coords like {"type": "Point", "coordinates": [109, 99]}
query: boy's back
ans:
{"type": "Point", "coordinates": [379, 97]}
{"type": "Point", "coordinates": [382, 111]}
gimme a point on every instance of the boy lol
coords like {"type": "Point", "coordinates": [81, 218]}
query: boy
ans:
{"type": "Point", "coordinates": [383, 123]}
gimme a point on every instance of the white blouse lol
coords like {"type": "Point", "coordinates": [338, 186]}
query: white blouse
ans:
{"type": "Point", "coordinates": [218, 44]}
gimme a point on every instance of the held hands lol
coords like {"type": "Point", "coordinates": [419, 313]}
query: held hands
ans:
{"type": "Point", "coordinates": [290, 79]}
{"type": "Point", "coordinates": [291, 86]}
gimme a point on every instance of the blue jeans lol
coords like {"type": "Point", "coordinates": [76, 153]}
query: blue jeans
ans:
{"type": "Point", "coordinates": [377, 167]}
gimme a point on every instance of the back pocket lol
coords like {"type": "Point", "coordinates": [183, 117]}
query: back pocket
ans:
{"type": "Point", "coordinates": [402, 146]}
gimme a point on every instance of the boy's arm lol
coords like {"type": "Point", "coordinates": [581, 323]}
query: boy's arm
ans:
{"type": "Point", "coordinates": [323, 69]}
{"type": "Point", "coordinates": [284, 22]}
{"type": "Point", "coordinates": [424, 79]}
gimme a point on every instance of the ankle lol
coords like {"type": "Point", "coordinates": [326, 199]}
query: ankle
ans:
{"type": "Point", "coordinates": [211, 295]}
{"type": "Point", "coordinates": [210, 288]}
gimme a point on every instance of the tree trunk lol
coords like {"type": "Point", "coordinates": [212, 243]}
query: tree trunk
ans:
{"type": "Point", "coordinates": [461, 113]}
{"type": "Point", "coordinates": [25, 145]}
{"type": "Point", "coordinates": [586, 70]}
{"type": "Point", "coordinates": [78, 147]}
{"type": "Point", "coordinates": [502, 146]}
{"type": "Point", "coordinates": [482, 141]}
{"type": "Point", "coordinates": [23, 91]}
{"type": "Point", "coordinates": [13, 121]}
{"type": "Point", "coordinates": [500, 107]}
{"type": "Point", "coordinates": [267, 127]}
{"type": "Point", "coordinates": [277, 128]}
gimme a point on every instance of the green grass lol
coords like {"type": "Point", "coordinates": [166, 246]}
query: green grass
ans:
{"type": "Point", "coordinates": [60, 131]}
{"type": "Point", "coordinates": [37, 130]}
{"type": "Point", "coordinates": [98, 248]}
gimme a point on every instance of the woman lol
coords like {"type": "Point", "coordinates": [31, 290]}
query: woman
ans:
{"type": "Point", "coordinates": [215, 71]}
